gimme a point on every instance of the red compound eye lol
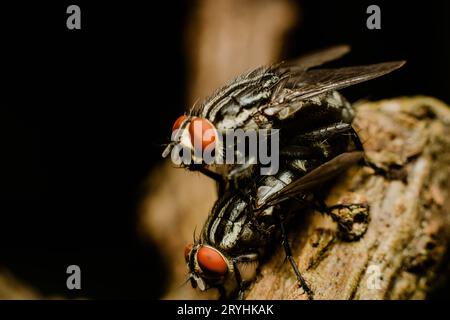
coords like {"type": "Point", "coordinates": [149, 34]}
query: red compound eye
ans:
{"type": "Point", "coordinates": [202, 133]}
{"type": "Point", "coordinates": [211, 261]}
{"type": "Point", "coordinates": [178, 122]}
{"type": "Point", "coordinates": [187, 251]}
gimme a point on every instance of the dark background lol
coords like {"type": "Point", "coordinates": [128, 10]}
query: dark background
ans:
{"type": "Point", "coordinates": [82, 114]}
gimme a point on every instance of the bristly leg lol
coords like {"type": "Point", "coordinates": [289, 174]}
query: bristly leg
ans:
{"type": "Point", "coordinates": [299, 152]}
{"type": "Point", "coordinates": [389, 173]}
{"type": "Point", "coordinates": [222, 292]}
{"type": "Point", "coordinates": [356, 140]}
{"type": "Point", "coordinates": [323, 133]}
{"type": "Point", "coordinates": [240, 285]}
{"type": "Point", "coordinates": [288, 251]}
{"type": "Point", "coordinates": [211, 174]}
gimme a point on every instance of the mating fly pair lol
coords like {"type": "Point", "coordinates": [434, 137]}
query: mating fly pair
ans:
{"type": "Point", "coordinates": [317, 142]}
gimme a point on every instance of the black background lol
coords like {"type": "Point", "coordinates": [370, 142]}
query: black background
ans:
{"type": "Point", "coordinates": [82, 113]}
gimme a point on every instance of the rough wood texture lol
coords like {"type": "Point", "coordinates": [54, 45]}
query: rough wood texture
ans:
{"type": "Point", "coordinates": [402, 251]}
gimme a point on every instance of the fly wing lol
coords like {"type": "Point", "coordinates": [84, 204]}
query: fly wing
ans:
{"type": "Point", "coordinates": [304, 85]}
{"type": "Point", "coordinates": [319, 81]}
{"type": "Point", "coordinates": [319, 57]}
{"type": "Point", "coordinates": [316, 177]}
{"type": "Point", "coordinates": [295, 68]}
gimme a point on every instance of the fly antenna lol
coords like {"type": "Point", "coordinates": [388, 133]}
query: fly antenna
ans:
{"type": "Point", "coordinates": [184, 282]}
{"type": "Point", "coordinates": [195, 229]}
{"type": "Point", "coordinates": [194, 107]}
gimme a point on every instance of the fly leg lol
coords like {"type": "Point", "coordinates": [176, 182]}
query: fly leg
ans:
{"type": "Point", "coordinates": [210, 174]}
{"type": "Point", "coordinates": [241, 284]}
{"type": "Point", "coordinates": [390, 173]}
{"type": "Point", "coordinates": [299, 152]}
{"type": "Point", "coordinates": [359, 146]}
{"type": "Point", "coordinates": [340, 128]}
{"type": "Point", "coordinates": [288, 251]}
{"type": "Point", "coordinates": [222, 293]}
{"type": "Point", "coordinates": [356, 141]}
{"type": "Point", "coordinates": [323, 133]}
{"type": "Point", "coordinates": [306, 146]}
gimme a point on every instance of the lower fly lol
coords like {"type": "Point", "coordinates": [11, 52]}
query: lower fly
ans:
{"type": "Point", "coordinates": [244, 222]}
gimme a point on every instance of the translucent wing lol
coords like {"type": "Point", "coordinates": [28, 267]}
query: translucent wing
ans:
{"type": "Point", "coordinates": [319, 81]}
{"type": "Point", "coordinates": [319, 57]}
{"type": "Point", "coordinates": [303, 85]}
{"type": "Point", "coordinates": [296, 68]}
{"type": "Point", "coordinates": [315, 177]}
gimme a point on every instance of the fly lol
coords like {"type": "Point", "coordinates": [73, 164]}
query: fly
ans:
{"type": "Point", "coordinates": [291, 97]}
{"type": "Point", "coordinates": [245, 221]}
{"type": "Point", "coordinates": [239, 230]}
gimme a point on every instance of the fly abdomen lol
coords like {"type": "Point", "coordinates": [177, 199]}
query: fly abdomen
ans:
{"type": "Point", "coordinates": [234, 226]}
{"type": "Point", "coordinates": [225, 222]}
